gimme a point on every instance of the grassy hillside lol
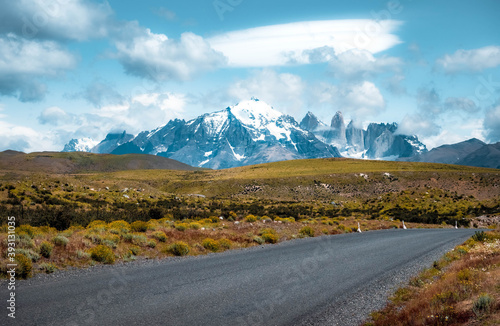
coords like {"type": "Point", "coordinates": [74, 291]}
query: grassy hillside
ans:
{"type": "Point", "coordinates": [78, 162]}
{"type": "Point", "coordinates": [417, 192]}
{"type": "Point", "coordinates": [321, 179]}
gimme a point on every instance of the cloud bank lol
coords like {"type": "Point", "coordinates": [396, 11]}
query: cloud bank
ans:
{"type": "Point", "coordinates": [156, 57]}
{"type": "Point", "coordinates": [284, 44]}
{"type": "Point", "coordinates": [475, 60]}
{"type": "Point", "coordinates": [24, 64]}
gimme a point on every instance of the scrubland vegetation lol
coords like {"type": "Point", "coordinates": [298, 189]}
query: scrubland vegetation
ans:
{"type": "Point", "coordinates": [104, 217]}
{"type": "Point", "coordinates": [462, 288]}
{"type": "Point", "coordinates": [45, 249]}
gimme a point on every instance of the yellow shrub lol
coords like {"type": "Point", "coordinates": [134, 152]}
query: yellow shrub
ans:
{"type": "Point", "coordinates": [307, 231]}
{"type": "Point", "coordinates": [225, 243]}
{"type": "Point", "coordinates": [102, 254]}
{"type": "Point", "coordinates": [121, 225]}
{"type": "Point", "coordinates": [179, 248]}
{"type": "Point", "coordinates": [97, 224]}
{"type": "Point", "coordinates": [269, 235]}
{"type": "Point", "coordinates": [139, 226]}
{"type": "Point", "coordinates": [285, 219]}
{"type": "Point", "coordinates": [195, 225]}
{"type": "Point", "coordinates": [160, 236]}
{"type": "Point", "coordinates": [24, 268]}
{"type": "Point", "coordinates": [210, 244]}
{"type": "Point", "coordinates": [250, 218]}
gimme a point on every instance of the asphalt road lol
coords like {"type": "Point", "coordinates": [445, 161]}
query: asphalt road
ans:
{"type": "Point", "coordinates": [302, 282]}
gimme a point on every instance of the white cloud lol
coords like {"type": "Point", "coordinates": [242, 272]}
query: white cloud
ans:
{"type": "Point", "coordinates": [418, 124]}
{"type": "Point", "coordinates": [279, 45]}
{"type": "Point", "coordinates": [395, 84]}
{"type": "Point", "coordinates": [354, 64]}
{"type": "Point", "coordinates": [429, 102]}
{"type": "Point", "coordinates": [166, 13]}
{"type": "Point", "coordinates": [453, 132]}
{"type": "Point", "coordinates": [460, 104]}
{"type": "Point", "coordinates": [474, 60]}
{"type": "Point", "coordinates": [362, 64]}
{"type": "Point", "coordinates": [22, 138]}
{"type": "Point", "coordinates": [24, 63]}
{"type": "Point", "coordinates": [99, 93]}
{"type": "Point", "coordinates": [156, 57]}
{"type": "Point", "coordinates": [56, 20]}
{"type": "Point", "coordinates": [54, 116]}
{"type": "Point", "coordinates": [142, 112]}
{"type": "Point", "coordinates": [492, 124]}
{"type": "Point", "coordinates": [358, 100]}
{"type": "Point", "coordinates": [283, 91]}
{"type": "Point", "coordinates": [58, 126]}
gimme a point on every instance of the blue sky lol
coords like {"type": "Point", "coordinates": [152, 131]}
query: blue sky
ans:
{"type": "Point", "coordinates": [81, 68]}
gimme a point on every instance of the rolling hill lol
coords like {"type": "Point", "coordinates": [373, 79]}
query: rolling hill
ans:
{"type": "Point", "coordinates": [77, 162]}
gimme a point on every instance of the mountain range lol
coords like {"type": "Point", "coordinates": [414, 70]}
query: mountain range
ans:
{"type": "Point", "coordinates": [253, 132]}
{"type": "Point", "coordinates": [472, 152]}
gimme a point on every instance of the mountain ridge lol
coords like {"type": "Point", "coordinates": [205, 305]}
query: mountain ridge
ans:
{"type": "Point", "coordinates": [253, 132]}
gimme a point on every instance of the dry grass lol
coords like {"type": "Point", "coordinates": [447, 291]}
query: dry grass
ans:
{"type": "Point", "coordinates": [132, 241]}
{"type": "Point", "coordinates": [451, 291]}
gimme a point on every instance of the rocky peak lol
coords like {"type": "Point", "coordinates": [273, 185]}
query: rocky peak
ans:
{"type": "Point", "coordinates": [310, 122]}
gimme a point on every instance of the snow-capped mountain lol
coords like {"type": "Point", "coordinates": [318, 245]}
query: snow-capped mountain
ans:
{"type": "Point", "coordinates": [80, 145]}
{"type": "Point", "coordinates": [250, 132]}
{"type": "Point", "coordinates": [111, 142]}
{"type": "Point", "coordinates": [379, 140]}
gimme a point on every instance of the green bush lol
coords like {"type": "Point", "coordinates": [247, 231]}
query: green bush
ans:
{"type": "Point", "coordinates": [128, 256]}
{"type": "Point", "coordinates": [47, 268]}
{"type": "Point", "coordinates": [46, 249]}
{"type": "Point", "coordinates": [134, 250]}
{"type": "Point", "coordinates": [139, 240]}
{"type": "Point", "coordinates": [258, 239]}
{"type": "Point", "coordinates": [24, 268]}
{"type": "Point", "coordinates": [127, 237]}
{"type": "Point", "coordinates": [152, 244]}
{"type": "Point", "coordinates": [462, 250]}
{"type": "Point", "coordinates": [60, 241]}
{"type": "Point", "coordinates": [179, 248]}
{"type": "Point", "coordinates": [307, 231]}
{"type": "Point", "coordinates": [181, 227]}
{"type": "Point", "coordinates": [23, 240]}
{"type": "Point", "coordinates": [160, 236]}
{"type": "Point", "coordinates": [80, 254]}
{"type": "Point", "coordinates": [34, 256]}
{"type": "Point", "coordinates": [102, 254]}
{"type": "Point", "coordinates": [28, 229]}
{"type": "Point", "coordinates": [483, 305]}
{"type": "Point", "coordinates": [210, 244]}
{"type": "Point", "coordinates": [479, 236]}
{"type": "Point", "coordinates": [195, 225]}
{"type": "Point", "coordinates": [111, 241]}
{"type": "Point", "coordinates": [95, 238]}
{"type": "Point", "coordinates": [139, 226]}
{"type": "Point", "coordinates": [344, 228]}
